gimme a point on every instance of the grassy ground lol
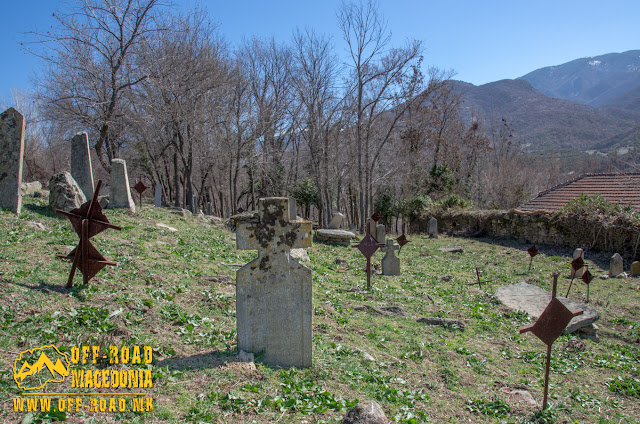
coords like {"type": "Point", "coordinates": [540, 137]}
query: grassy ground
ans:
{"type": "Point", "coordinates": [174, 290]}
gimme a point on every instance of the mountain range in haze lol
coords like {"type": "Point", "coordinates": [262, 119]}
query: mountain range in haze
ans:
{"type": "Point", "coordinates": [589, 104]}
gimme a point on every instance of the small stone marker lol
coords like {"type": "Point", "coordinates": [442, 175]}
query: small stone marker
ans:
{"type": "Point", "coordinates": [390, 262]}
{"type": "Point", "coordinates": [157, 198]}
{"type": "Point", "coordinates": [336, 221]}
{"type": "Point", "coordinates": [432, 227]}
{"type": "Point", "coordinates": [11, 158]}
{"type": "Point", "coordinates": [616, 265]}
{"type": "Point", "coordinates": [578, 253]}
{"type": "Point", "coordinates": [635, 269]}
{"type": "Point", "coordinates": [120, 197]}
{"type": "Point", "coordinates": [81, 169]}
{"type": "Point", "coordinates": [274, 291]}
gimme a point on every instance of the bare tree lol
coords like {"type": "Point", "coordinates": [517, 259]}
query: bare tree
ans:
{"type": "Point", "coordinates": [315, 81]}
{"type": "Point", "coordinates": [383, 81]}
{"type": "Point", "coordinates": [90, 66]}
{"type": "Point", "coordinates": [188, 69]}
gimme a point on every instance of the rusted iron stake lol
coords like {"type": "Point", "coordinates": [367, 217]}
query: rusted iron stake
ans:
{"type": "Point", "coordinates": [549, 327]}
{"type": "Point", "coordinates": [532, 251]}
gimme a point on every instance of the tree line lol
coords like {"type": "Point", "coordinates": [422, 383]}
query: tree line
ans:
{"type": "Point", "coordinates": [225, 125]}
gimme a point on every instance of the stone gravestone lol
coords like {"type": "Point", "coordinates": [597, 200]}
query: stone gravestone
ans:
{"type": "Point", "coordinates": [157, 199]}
{"type": "Point", "coordinates": [11, 157]}
{"type": "Point", "coordinates": [432, 227]}
{"type": "Point", "coordinates": [376, 230]}
{"type": "Point", "coordinates": [616, 266]}
{"type": "Point", "coordinates": [81, 170]}
{"type": "Point", "coordinates": [274, 291]}
{"type": "Point", "coordinates": [578, 253]}
{"type": "Point", "coordinates": [120, 197]}
{"type": "Point", "coordinates": [293, 209]}
{"type": "Point", "coordinates": [390, 262]}
{"type": "Point", "coordinates": [336, 221]}
{"type": "Point", "coordinates": [635, 269]}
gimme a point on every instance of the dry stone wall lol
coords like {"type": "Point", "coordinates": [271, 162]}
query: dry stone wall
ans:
{"type": "Point", "coordinates": [540, 228]}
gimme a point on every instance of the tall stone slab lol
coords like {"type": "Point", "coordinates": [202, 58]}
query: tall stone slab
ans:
{"type": "Point", "coordinates": [616, 265]}
{"type": "Point", "coordinates": [157, 199]}
{"type": "Point", "coordinates": [81, 169]}
{"type": "Point", "coordinates": [390, 262]}
{"type": "Point", "coordinates": [274, 291]}
{"type": "Point", "coordinates": [578, 253]}
{"type": "Point", "coordinates": [11, 158]}
{"type": "Point", "coordinates": [376, 230]}
{"type": "Point", "coordinates": [432, 227]}
{"type": "Point", "coordinates": [120, 196]}
{"type": "Point", "coordinates": [336, 221]}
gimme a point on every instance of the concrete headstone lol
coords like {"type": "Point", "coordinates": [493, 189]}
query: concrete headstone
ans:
{"type": "Point", "coordinates": [390, 262]}
{"type": "Point", "coordinates": [157, 198]}
{"type": "Point", "coordinates": [432, 227]}
{"type": "Point", "coordinates": [120, 196]}
{"type": "Point", "coordinates": [274, 291]}
{"type": "Point", "coordinates": [64, 192]}
{"type": "Point", "coordinates": [635, 269]}
{"type": "Point", "coordinates": [616, 265]}
{"type": "Point", "coordinates": [81, 169]}
{"type": "Point", "coordinates": [336, 221]}
{"type": "Point", "coordinates": [11, 158]}
{"type": "Point", "coordinates": [578, 253]}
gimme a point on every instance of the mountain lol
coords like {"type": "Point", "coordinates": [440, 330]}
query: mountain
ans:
{"type": "Point", "coordinates": [610, 80]}
{"type": "Point", "coordinates": [543, 123]}
{"type": "Point", "coordinates": [43, 361]}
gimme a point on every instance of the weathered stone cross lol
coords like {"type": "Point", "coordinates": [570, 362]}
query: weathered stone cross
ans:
{"type": "Point", "coordinates": [274, 291]}
{"type": "Point", "coordinates": [390, 262]}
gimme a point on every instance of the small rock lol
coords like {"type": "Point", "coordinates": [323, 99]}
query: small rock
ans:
{"type": "Point", "coordinates": [165, 227]}
{"type": "Point", "coordinates": [451, 249]}
{"type": "Point", "coordinates": [369, 412]}
{"type": "Point", "coordinates": [104, 201]}
{"type": "Point", "coordinates": [443, 322]}
{"type": "Point", "coordinates": [367, 356]}
{"type": "Point", "coordinates": [31, 188]}
{"type": "Point", "coordinates": [35, 225]}
{"type": "Point", "coordinates": [524, 397]}
{"type": "Point", "coordinates": [390, 311]}
{"type": "Point", "coordinates": [446, 278]}
{"type": "Point", "coordinates": [339, 261]}
{"type": "Point", "coordinates": [245, 356]}
{"type": "Point", "coordinates": [300, 254]}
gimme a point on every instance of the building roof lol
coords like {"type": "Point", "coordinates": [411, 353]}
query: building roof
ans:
{"type": "Point", "coordinates": [615, 188]}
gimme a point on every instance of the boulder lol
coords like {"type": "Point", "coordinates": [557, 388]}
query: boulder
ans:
{"type": "Point", "coordinates": [369, 412]}
{"type": "Point", "coordinates": [31, 188]}
{"type": "Point", "coordinates": [65, 194]}
{"type": "Point", "coordinates": [335, 236]}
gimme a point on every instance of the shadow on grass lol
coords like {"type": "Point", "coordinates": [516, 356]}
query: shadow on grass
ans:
{"type": "Point", "coordinates": [200, 361]}
{"type": "Point", "coordinates": [43, 210]}
{"type": "Point", "coordinates": [42, 286]}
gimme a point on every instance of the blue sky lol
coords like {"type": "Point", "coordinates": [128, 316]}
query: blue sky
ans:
{"type": "Point", "coordinates": [482, 40]}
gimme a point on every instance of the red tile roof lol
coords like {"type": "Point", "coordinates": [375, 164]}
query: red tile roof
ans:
{"type": "Point", "coordinates": [615, 188]}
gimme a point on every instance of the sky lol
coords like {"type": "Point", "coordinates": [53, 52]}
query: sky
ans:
{"type": "Point", "coordinates": [481, 40]}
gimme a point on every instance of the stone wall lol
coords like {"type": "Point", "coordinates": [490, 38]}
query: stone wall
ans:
{"type": "Point", "coordinates": [591, 233]}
